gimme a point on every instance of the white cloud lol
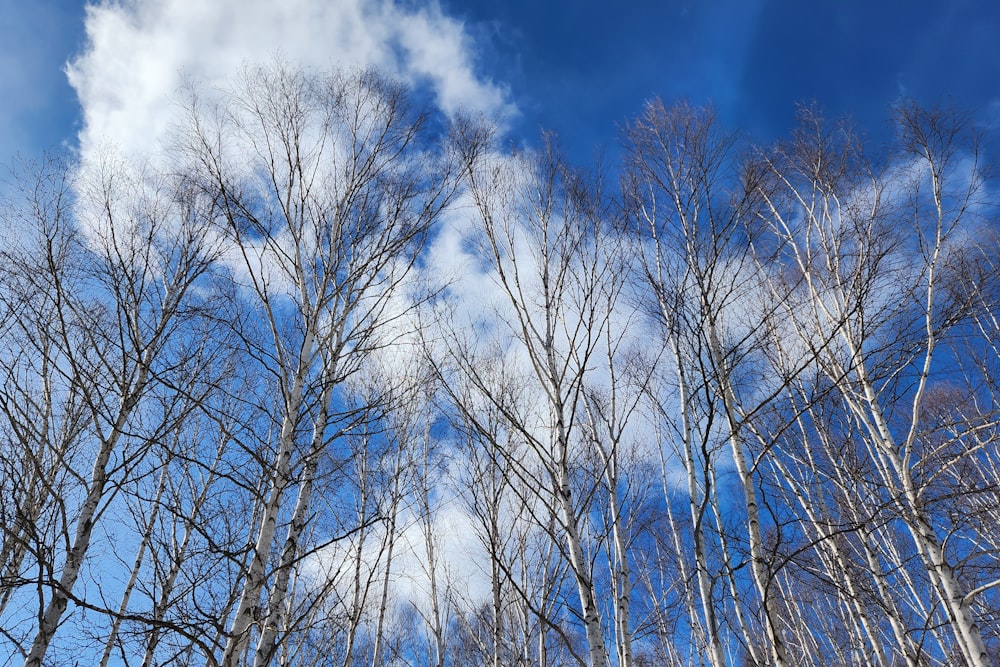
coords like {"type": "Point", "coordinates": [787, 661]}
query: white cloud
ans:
{"type": "Point", "coordinates": [140, 52]}
{"type": "Point", "coordinates": [461, 567]}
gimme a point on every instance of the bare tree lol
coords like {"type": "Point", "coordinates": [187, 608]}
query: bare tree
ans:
{"type": "Point", "coordinates": [238, 425]}
{"type": "Point", "coordinates": [326, 185]}
{"type": "Point", "coordinates": [540, 231]}
{"type": "Point", "coordinates": [105, 289]}
{"type": "Point", "coordinates": [690, 208]}
{"type": "Point", "coordinates": [872, 251]}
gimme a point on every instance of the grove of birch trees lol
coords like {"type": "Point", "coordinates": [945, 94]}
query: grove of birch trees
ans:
{"type": "Point", "coordinates": [336, 380]}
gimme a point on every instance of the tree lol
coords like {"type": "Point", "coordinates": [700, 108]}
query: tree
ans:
{"type": "Point", "coordinates": [690, 208]}
{"type": "Point", "coordinates": [874, 256]}
{"type": "Point", "coordinates": [541, 231]}
{"type": "Point", "coordinates": [243, 420]}
{"type": "Point", "coordinates": [103, 294]}
{"type": "Point", "coordinates": [326, 185]}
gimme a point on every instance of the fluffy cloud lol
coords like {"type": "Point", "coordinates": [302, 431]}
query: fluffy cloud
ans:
{"type": "Point", "coordinates": [141, 52]}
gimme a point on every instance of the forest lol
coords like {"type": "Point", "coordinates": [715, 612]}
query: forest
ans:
{"type": "Point", "coordinates": [335, 379]}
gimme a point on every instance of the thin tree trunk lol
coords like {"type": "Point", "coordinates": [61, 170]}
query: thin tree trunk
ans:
{"type": "Point", "coordinates": [584, 584]}
{"type": "Point", "coordinates": [136, 567]}
{"type": "Point", "coordinates": [758, 562]}
{"type": "Point", "coordinates": [247, 610]}
{"type": "Point", "coordinates": [85, 523]}
{"type": "Point", "coordinates": [161, 606]}
{"type": "Point", "coordinates": [277, 596]}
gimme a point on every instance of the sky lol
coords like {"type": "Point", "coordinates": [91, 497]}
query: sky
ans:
{"type": "Point", "coordinates": [73, 77]}
{"type": "Point", "coordinates": [573, 67]}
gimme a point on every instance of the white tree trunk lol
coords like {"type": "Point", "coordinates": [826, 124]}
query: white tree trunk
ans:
{"type": "Point", "coordinates": [248, 609]}
{"type": "Point", "coordinates": [584, 583]}
{"type": "Point", "coordinates": [758, 563]}
{"type": "Point", "coordinates": [277, 598]}
{"type": "Point", "coordinates": [86, 520]}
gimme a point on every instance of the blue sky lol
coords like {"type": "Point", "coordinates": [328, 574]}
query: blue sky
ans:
{"type": "Point", "coordinates": [582, 69]}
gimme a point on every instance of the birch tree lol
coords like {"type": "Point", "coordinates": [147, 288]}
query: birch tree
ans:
{"type": "Point", "coordinates": [325, 186]}
{"type": "Point", "coordinates": [690, 207]}
{"type": "Point", "coordinates": [105, 279]}
{"type": "Point", "coordinates": [539, 230]}
{"type": "Point", "coordinates": [875, 251]}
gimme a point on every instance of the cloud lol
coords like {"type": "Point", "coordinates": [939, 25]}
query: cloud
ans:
{"type": "Point", "coordinates": [461, 566]}
{"type": "Point", "coordinates": [141, 52]}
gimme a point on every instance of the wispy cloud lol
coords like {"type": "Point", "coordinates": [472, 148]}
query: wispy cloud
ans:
{"type": "Point", "coordinates": [139, 54]}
